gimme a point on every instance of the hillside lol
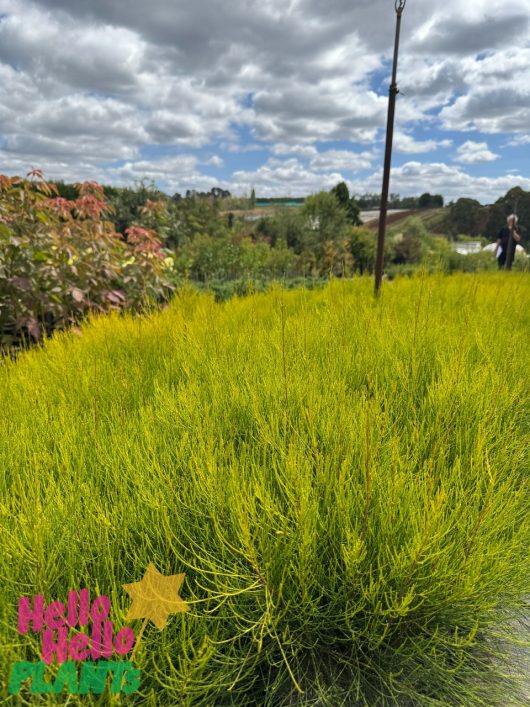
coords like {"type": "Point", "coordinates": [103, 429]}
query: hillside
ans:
{"type": "Point", "coordinates": [435, 220]}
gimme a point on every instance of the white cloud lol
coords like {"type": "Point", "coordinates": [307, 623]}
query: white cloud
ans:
{"type": "Point", "coordinates": [327, 160]}
{"type": "Point", "coordinates": [215, 161]}
{"type": "Point", "coordinates": [461, 29]}
{"type": "Point", "coordinates": [56, 50]}
{"type": "Point", "coordinates": [304, 150]}
{"type": "Point", "coordinates": [86, 85]}
{"type": "Point", "coordinates": [497, 94]}
{"type": "Point", "coordinates": [519, 140]}
{"type": "Point", "coordinates": [278, 177]}
{"type": "Point", "coordinates": [328, 110]}
{"type": "Point", "coordinates": [472, 152]}
{"type": "Point", "coordinates": [403, 142]}
{"type": "Point", "coordinates": [177, 173]}
{"type": "Point", "coordinates": [414, 178]}
{"type": "Point", "coordinates": [342, 160]}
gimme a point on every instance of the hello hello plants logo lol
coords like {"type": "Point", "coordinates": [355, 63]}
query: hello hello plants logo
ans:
{"type": "Point", "coordinates": [79, 636]}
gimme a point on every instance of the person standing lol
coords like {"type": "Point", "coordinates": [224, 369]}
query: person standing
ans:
{"type": "Point", "coordinates": [508, 238]}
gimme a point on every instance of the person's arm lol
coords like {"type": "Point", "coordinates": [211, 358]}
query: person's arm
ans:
{"type": "Point", "coordinates": [497, 246]}
{"type": "Point", "coordinates": [516, 235]}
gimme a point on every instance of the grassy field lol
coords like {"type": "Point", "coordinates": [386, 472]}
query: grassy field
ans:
{"type": "Point", "coordinates": [344, 482]}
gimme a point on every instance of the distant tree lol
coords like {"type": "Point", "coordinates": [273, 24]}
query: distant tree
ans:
{"type": "Point", "coordinates": [342, 194]}
{"type": "Point", "coordinates": [362, 248]}
{"type": "Point", "coordinates": [369, 201]}
{"type": "Point", "coordinates": [410, 247]}
{"type": "Point", "coordinates": [408, 202]}
{"type": "Point", "coordinates": [129, 202]}
{"type": "Point", "coordinates": [252, 199]}
{"type": "Point", "coordinates": [193, 217]}
{"type": "Point", "coordinates": [286, 226]}
{"type": "Point", "coordinates": [373, 201]}
{"type": "Point", "coordinates": [464, 217]}
{"type": "Point", "coordinates": [516, 199]}
{"type": "Point", "coordinates": [219, 193]}
{"type": "Point", "coordinates": [430, 201]}
{"type": "Point", "coordinates": [325, 223]}
{"type": "Point", "coordinates": [496, 219]}
{"type": "Point", "coordinates": [424, 201]}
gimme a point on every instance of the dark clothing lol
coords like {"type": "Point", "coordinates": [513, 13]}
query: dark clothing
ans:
{"type": "Point", "coordinates": [504, 238]}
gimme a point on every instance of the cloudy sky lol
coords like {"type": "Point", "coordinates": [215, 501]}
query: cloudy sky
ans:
{"type": "Point", "coordinates": [286, 96]}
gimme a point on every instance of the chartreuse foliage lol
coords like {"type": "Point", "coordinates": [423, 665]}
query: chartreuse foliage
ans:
{"type": "Point", "coordinates": [344, 482]}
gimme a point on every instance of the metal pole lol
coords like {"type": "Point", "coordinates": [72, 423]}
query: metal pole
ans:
{"type": "Point", "coordinates": [510, 248]}
{"type": "Point", "coordinates": [399, 6]}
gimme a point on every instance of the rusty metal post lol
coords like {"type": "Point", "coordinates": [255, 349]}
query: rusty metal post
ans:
{"type": "Point", "coordinates": [399, 6]}
{"type": "Point", "coordinates": [512, 245]}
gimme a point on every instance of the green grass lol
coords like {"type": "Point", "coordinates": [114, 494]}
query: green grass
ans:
{"type": "Point", "coordinates": [343, 480]}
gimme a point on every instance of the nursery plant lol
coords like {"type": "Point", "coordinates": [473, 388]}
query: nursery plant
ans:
{"type": "Point", "coordinates": [342, 480]}
{"type": "Point", "coordinates": [61, 259]}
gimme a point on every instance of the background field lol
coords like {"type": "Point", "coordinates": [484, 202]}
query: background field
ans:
{"type": "Point", "coordinates": [344, 482]}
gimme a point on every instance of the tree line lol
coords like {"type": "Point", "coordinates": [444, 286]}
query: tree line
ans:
{"type": "Point", "coordinates": [470, 217]}
{"type": "Point", "coordinates": [372, 201]}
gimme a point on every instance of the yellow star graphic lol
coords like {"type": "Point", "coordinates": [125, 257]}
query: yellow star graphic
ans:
{"type": "Point", "coordinates": [155, 597]}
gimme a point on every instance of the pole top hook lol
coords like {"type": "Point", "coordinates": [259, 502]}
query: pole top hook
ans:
{"type": "Point", "coordinates": [400, 6]}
